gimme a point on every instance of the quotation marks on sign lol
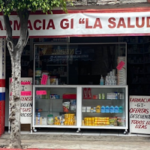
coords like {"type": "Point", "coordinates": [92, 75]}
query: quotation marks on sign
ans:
{"type": "Point", "coordinates": [81, 21]}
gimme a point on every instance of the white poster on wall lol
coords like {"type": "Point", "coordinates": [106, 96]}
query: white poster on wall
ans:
{"type": "Point", "coordinates": [26, 99]}
{"type": "Point", "coordinates": [140, 114]}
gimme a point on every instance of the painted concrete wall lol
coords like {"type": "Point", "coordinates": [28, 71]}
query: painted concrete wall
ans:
{"type": "Point", "coordinates": [105, 2]}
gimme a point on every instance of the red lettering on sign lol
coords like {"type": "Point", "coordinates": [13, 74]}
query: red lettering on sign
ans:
{"type": "Point", "coordinates": [139, 110]}
{"type": "Point", "coordinates": [1, 27]}
{"type": "Point", "coordinates": [148, 22]}
{"type": "Point", "coordinates": [137, 22]}
{"type": "Point", "coordinates": [30, 25]}
{"type": "Point", "coordinates": [97, 23]}
{"type": "Point", "coordinates": [44, 24]}
{"type": "Point", "coordinates": [25, 83]}
{"type": "Point", "coordinates": [16, 25]}
{"type": "Point", "coordinates": [141, 126]}
{"type": "Point", "coordinates": [64, 24]}
{"type": "Point", "coordinates": [72, 23]}
{"type": "Point", "coordinates": [129, 23]}
{"type": "Point", "coordinates": [121, 23]}
{"type": "Point", "coordinates": [35, 25]}
{"type": "Point", "coordinates": [112, 22]}
{"type": "Point", "coordinates": [87, 24]}
{"type": "Point", "coordinates": [51, 24]}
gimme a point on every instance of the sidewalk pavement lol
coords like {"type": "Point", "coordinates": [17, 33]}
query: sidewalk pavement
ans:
{"type": "Point", "coordinates": [78, 142]}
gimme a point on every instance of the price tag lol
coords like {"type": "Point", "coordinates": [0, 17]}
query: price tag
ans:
{"type": "Point", "coordinates": [44, 79]}
{"type": "Point", "coordinates": [26, 93]}
{"type": "Point", "coordinates": [120, 65]}
{"type": "Point", "coordinates": [42, 92]}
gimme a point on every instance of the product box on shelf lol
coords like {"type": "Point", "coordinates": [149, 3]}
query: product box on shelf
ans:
{"type": "Point", "coordinates": [38, 120]}
{"type": "Point", "coordinates": [69, 96]}
{"type": "Point", "coordinates": [87, 93]}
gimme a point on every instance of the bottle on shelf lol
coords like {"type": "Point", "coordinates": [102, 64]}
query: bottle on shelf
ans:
{"type": "Point", "coordinates": [101, 80]}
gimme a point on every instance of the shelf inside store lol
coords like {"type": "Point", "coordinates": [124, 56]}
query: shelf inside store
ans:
{"type": "Point", "coordinates": [48, 99]}
{"type": "Point", "coordinates": [56, 64]}
{"type": "Point", "coordinates": [55, 126]}
{"type": "Point", "coordinates": [100, 113]}
{"type": "Point", "coordinates": [104, 127]}
{"type": "Point", "coordinates": [55, 112]}
{"type": "Point", "coordinates": [101, 99]}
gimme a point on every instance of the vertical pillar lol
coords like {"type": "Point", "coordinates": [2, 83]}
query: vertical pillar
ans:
{"type": "Point", "coordinates": [2, 85]}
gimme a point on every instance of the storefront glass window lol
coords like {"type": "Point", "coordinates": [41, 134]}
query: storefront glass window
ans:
{"type": "Point", "coordinates": [79, 64]}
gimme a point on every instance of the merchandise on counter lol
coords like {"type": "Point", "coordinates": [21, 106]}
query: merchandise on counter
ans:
{"type": "Point", "coordinates": [38, 72]}
{"type": "Point", "coordinates": [44, 121]}
{"type": "Point", "coordinates": [121, 74]}
{"type": "Point", "coordinates": [100, 96]}
{"type": "Point", "coordinates": [101, 80]}
{"type": "Point", "coordinates": [107, 109]}
{"type": "Point", "coordinates": [120, 109]}
{"type": "Point", "coordinates": [120, 121]}
{"type": "Point", "coordinates": [88, 109]}
{"type": "Point", "coordinates": [69, 96]}
{"type": "Point", "coordinates": [95, 96]}
{"type": "Point", "coordinates": [103, 96]}
{"type": "Point", "coordinates": [113, 121]}
{"type": "Point", "coordinates": [111, 109]}
{"type": "Point", "coordinates": [38, 119]}
{"type": "Point", "coordinates": [96, 121]}
{"type": "Point", "coordinates": [53, 81]}
{"type": "Point", "coordinates": [66, 106]}
{"type": "Point", "coordinates": [87, 93]}
{"type": "Point", "coordinates": [69, 119]}
{"type": "Point", "coordinates": [54, 96]}
{"type": "Point", "coordinates": [50, 119]}
{"type": "Point", "coordinates": [111, 78]}
{"type": "Point", "coordinates": [84, 109]}
{"type": "Point", "coordinates": [57, 121]}
{"type": "Point", "coordinates": [47, 95]}
{"type": "Point", "coordinates": [116, 109]}
{"type": "Point", "coordinates": [113, 95]}
{"type": "Point", "coordinates": [103, 109]}
{"type": "Point", "coordinates": [98, 109]}
{"type": "Point", "coordinates": [38, 110]}
{"type": "Point", "coordinates": [73, 105]}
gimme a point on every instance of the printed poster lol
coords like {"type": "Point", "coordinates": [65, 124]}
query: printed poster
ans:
{"type": "Point", "coordinates": [26, 99]}
{"type": "Point", "coordinates": [139, 114]}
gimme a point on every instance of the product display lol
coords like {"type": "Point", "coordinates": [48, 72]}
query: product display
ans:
{"type": "Point", "coordinates": [80, 107]}
{"type": "Point", "coordinates": [103, 121]}
{"type": "Point", "coordinates": [111, 78]}
{"type": "Point", "coordinates": [121, 74]}
{"type": "Point", "coordinates": [103, 109]}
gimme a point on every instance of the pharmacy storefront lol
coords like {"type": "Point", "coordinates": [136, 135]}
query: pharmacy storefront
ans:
{"type": "Point", "coordinates": [79, 67]}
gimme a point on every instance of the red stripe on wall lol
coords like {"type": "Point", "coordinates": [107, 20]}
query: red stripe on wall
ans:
{"type": "Point", "coordinates": [86, 35]}
{"type": "Point", "coordinates": [116, 10]}
{"type": "Point", "coordinates": [2, 82]}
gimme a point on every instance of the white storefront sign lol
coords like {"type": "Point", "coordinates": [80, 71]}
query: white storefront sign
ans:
{"type": "Point", "coordinates": [83, 23]}
{"type": "Point", "coordinates": [26, 99]}
{"type": "Point", "coordinates": [139, 114]}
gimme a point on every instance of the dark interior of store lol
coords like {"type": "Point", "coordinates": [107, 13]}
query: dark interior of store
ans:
{"type": "Point", "coordinates": [89, 58]}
